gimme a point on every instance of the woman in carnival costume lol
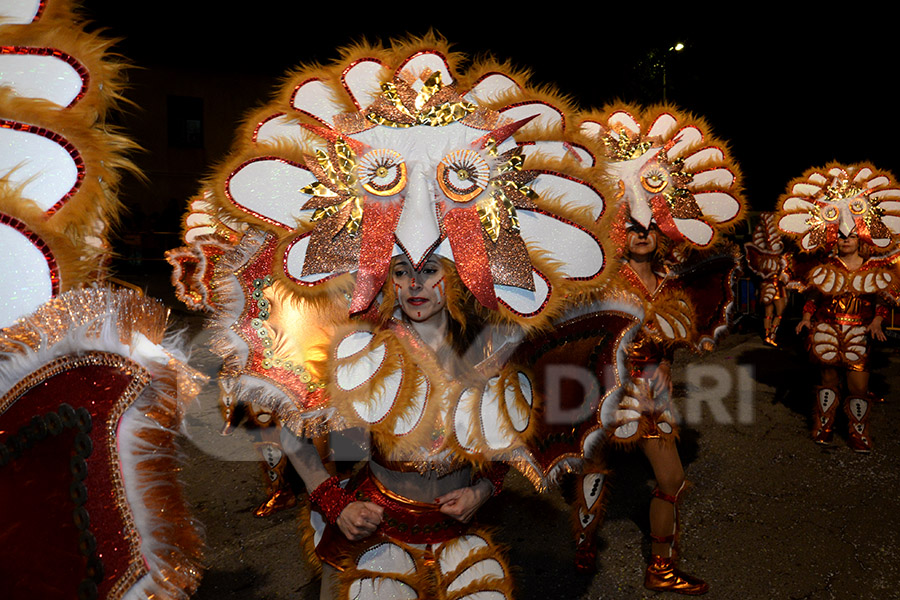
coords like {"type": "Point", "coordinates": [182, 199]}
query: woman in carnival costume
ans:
{"type": "Point", "coordinates": [853, 213]}
{"type": "Point", "coordinates": [676, 189]}
{"type": "Point", "coordinates": [399, 204]}
{"type": "Point", "coordinates": [766, 258]}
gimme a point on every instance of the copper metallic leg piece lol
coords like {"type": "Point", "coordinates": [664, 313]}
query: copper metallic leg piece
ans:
{"type": "Point", "coordinates": [857, 410]}
{"type": "Point", "coordinates": [824, 411]}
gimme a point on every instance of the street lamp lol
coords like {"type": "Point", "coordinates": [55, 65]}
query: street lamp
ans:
{"type": "Point", "coordinates": [678, 47]}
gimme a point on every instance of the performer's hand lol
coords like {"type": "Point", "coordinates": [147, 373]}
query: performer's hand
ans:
{"type": "Point", "coordinates": [805, 323]}
{"type": "Point", "coordinates": [359, 520]}
{"type": "Point", "coordinates": [461, 504]}
{"type": "Point", "coordinates": [874, 329]}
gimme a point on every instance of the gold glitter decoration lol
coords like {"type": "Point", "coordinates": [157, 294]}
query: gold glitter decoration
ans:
{"type": "Point", "coordinates": [393, 109]}
{"type": "Point", "coordinates": [489, 214]}
{"type": "Point", "coordinates": [625, 148]}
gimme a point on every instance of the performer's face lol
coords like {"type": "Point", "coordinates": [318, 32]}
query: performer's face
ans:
{"type": "Point", "coordinates": [848, 245]}
{"type": "Point", "coordinates": [641, 242]}
{"type": "Point", "coordinates": [422, 294]}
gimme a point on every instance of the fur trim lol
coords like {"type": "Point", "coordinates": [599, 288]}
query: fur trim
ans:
{"type": "Point", "coordinates": [123, 323]}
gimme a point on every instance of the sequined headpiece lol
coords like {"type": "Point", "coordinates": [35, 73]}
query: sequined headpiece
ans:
{"type": "Point", "coordinates": [666, 168]}
{"type": "Point", "coordinates": [841, 199]}
{"type": "Point", "coordinates": [394, 151]}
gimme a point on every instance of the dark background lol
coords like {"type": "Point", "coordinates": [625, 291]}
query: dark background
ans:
{"type": "Point", "coordinates": [787, 91]}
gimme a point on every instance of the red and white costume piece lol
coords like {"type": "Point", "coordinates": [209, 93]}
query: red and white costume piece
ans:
{"type": "Point", "coordinates": [422, 420]}
{"type": "Point", "coordinates": [820, 206]}
{"type": "Point", "coordinates": [91, 392]}
{"type": "Point", "coordinates": [666, 171]}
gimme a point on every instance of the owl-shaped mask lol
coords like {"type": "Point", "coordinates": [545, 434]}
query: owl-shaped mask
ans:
{"type": "Point", "coordinates": [394, 152]}
{"type": "Point", "coordinates": [667, 170]}
{"type": "Point", "coordinates": [840, 200]}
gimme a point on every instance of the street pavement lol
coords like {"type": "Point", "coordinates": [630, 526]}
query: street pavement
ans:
{"type": "Point", "coordinates": [770, 514]}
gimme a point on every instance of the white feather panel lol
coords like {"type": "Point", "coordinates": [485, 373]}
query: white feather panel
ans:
{"type": "Point", "coordinates": [492, 87]}
{"type": "Point", "coordinates": [662, 127]}
{"type": "Point", "coordinates": [268, 188]}
{"type": "Point", "coordinates": [718, 206]}
{"type": "Point", "coordinates": [362, 80]}
{"type": "Point", "coordinates": [314, 98]}
{"type": "Point", "coordinates": [43, 167]}
{"type": "Point", "coordinates": [353, 375]}
{"type": "Point", "coordinates": [47, 77]}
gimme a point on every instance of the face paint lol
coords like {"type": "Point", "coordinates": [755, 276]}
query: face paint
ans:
{"type": "Point", "coordinates": [421, 294]}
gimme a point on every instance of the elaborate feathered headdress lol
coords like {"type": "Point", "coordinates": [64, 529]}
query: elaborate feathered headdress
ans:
{"type": "Point", "coordinates": [668, 169]}
{"type": "Point", "coordinates": [397, 151]}
{"type": "Point", "coordinates": [841, 199]}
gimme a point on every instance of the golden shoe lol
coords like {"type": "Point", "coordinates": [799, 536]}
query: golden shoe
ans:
{"type": "Point", "coordinates": [662, 576]}
{"type": "Point", "coordinates": [280, 500]}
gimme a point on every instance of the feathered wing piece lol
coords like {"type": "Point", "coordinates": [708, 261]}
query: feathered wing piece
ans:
{"type": "Point", "coordinates": [667, 168]}
{"type": "Point", "coordinates": [90, 396]}
{"type": "Point", "coordinates": [838, 200]}
{"type": "Point", "coordinates": [60, 167]}
{"type": "Point", "coordinates": [388, 151]}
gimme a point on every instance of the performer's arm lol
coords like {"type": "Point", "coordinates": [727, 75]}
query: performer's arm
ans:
{"type": "Point", "coordinates": [874, 329]}
{"type": "Point", "coordinates": [809, 310]}
{"type": "Point", "coordinates": [355, 519]}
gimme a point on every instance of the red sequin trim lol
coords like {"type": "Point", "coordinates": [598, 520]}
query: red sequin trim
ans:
{"type": "Point", "coordinates": [263, 122]}
{"type": "Point", "coordinates": [331, 499]}
{"type": "Point", "coordinates": [40, 244]}
{"type": "Point", "coordinates": [67, 58]}
{"type": "Point", "coordinates": [66, 145]}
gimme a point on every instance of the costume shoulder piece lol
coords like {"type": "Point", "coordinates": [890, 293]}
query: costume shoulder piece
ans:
{"type": "Point", "coordinates": [667, 168]}
{"type": "Point", "coordinates": [386, 380]}
{"type": "Point", "coordinates": [91, 391]}
{"type": "Point", "coordinates": [878, 275]}
{"type": "Point", "coordinates": [690, 308]}
{"type": "Point", "coordinates": [840, 199]}
{"type": "Point", "coordinates": [389, 151]}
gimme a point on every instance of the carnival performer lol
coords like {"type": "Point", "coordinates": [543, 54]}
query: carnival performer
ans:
{"type": "Point", "coordinates": [418, 202]}
{"type": "Point", "coordinates": [850, 211]}
{"type": "Point", "coordinates": [766, 258]}
{"type": "Point", "coordinates": [417, 500]}
{"type": "Point", "coordinates": [677, 188]}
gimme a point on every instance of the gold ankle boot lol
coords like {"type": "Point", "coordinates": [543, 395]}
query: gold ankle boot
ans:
{"type": "Point", "coordinates": [662, 576]}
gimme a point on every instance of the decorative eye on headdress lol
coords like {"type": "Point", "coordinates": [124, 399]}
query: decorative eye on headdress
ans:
{"type": "Point", "coordinates": [858, 206]}
{"type": "Point", "coordinates": [382, 172]}
{"type": "Point", "coordinates": [655, 178]}
{"type": "Point", "coordinates": [463, 175]}
{"type": "Point", "coordinates": [831, 213]}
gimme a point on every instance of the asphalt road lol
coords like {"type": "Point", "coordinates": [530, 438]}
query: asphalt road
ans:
{"type": "Point", "coordinates": [771, 515]}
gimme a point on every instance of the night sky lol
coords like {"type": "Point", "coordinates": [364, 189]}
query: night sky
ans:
{"type": "Point", "coordinates": [786, 95]}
